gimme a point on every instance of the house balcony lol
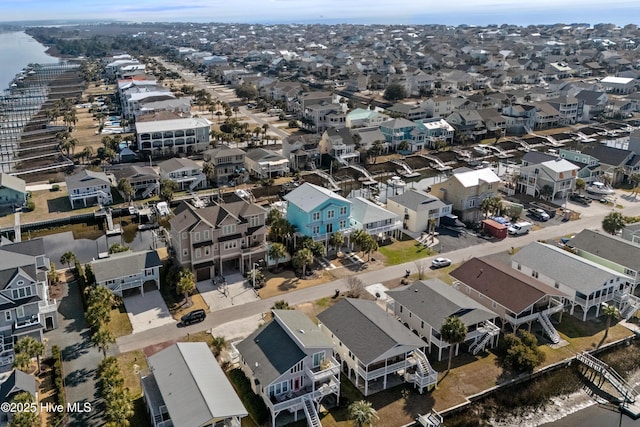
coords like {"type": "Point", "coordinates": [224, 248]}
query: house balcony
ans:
{"type": "Point", "coordinates": [47, 306]}
{"type": "Point", "coordinates": [517, 321]}
{"type": "Point", "coordinates": [396, 225]}
{"type": "Point", "coordinates": [254, 248]}
{"type": "Point", "coordinates": [294, 400]}
{"type": "Point", "coordinates": [25, 324]}
{"type": "Point", "coordinates": [318, 374]}
{"type": "Point", "coordinates": [385, 370]}
{"type": "Point", "coordinates": [186, 178]}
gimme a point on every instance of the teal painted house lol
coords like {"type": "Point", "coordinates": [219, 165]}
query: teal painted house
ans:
{"type": "Point", "coordinates": [13, 191]}
{"type": "Point", "coordinates": [317, 212]}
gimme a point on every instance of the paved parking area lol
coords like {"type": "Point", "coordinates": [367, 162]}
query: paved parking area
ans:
{"type": "Point", "coordinates": [147, 311]}
{"type": "Point", "coordinates": [236, 291]}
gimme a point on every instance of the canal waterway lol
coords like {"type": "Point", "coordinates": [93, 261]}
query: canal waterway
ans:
{"type": "Point", "coordinates": [17, 50]}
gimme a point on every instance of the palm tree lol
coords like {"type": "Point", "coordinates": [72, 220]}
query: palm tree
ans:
{"type": "Point", "coordinates": [31, 347]}
{"type": "Point", "coordinates": [362, 413]}
{"type": "Point", "coordinates": [546, 192]}
{"type": "Point", "coordinates": [87, 153]}
{"type": "Point", "coordinates": [25, 418]}
{"type": "Point", "coordinates": [186, 284]}
{"type": "Point", "coordinates": [102, 338]}
{"type": "Point", "coordinates": [276, 252]}
{"type": "Point", "coordinates": [119, 406]}
{"type": "Point", "coordinates": [281, 305]}
{"type": "Point", "coordinates": [68, 258]}
{"type": "Point", "coordinates": [336, 240]}
{"type": "Point", "coordinates": [124, 185]}
{"type": "Point", "coordinates": [613, 222]}
{"type": "Point", "coordinates": [369, 246]}
{"type": "Point", "coordinates": [22, 361]}
{"type": "Point", "coordinates": [580, 185]}
{"type": "Point", "coordinates": [217, 345]}
{"type": "Point", "coordinates": [612, 313]}
{"type": "Point", "coordinates": [453, 332]}
{"type": "Point", "coordinates": [209, 171]}
{"type": "Point", "coordinates": [302, 259]}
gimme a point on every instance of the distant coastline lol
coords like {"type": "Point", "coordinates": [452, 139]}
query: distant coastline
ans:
{"type": "Point", "coordinates": [17, 50]}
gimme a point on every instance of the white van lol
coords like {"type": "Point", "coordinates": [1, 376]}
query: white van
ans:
{"type": "Point", "coordinates": [519, 228]}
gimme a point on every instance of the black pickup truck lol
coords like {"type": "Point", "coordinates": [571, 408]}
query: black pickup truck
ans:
{"type": "Point", "coordinates": [579, 198]}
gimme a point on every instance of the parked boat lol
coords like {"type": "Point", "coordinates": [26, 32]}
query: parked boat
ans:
{"type": "Point", "coordinates": [599, 188]}
{"type": "Point", "coordinates": [396, 182]}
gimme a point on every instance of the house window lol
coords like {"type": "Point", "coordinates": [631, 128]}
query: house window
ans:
{"type": "Point", "coordinates": [490, 186]}
{"type": "Point", "coordinates": [315, 216]}
{"type": "Point", "coordinates": [329, 228]}
{"type": "Point", "coordinates": [197, 236]}
{"type": "Point", "coordinates": [315, 229]}
{"type": "Point", "coordinates": [254, 221]}
{"type": "Point", "coordinates": [207, 251]}
{"type": "Point", "coordinates": [228, 229]}
{"type": "Point", "coordinates": [534, 274]}
{"type": "Point", "coordinates": [318, 358]}
{"type": "Point", "coordinates": [20, 312]}
{"type": "Point", "coordinates": [230, 245]}
{"type": "Point", "coordinates": [205, 234]}
{"type": "Point", "coordinates": [185, 252]}
{"type": "Point", "coordinates": [401, 309]}
{"type": "Point", "coordinates": [472, 203]}
{"type": "Point", "coordinates": [422, 324]}
{"type": "Point", "coordinates": [184, 235]}
{"type": "Point", "coordinates": [330, 214]}
{"type": "Point", "coordinates": [557, 285]}
{"type": "Point", "coordinates": [494, 305]}
{"type": "Point", "coordinates": [278, 389]}
{"type": "Point", "coordinates": [343, 224]}
{"type": "Point", "coordinates": [297, 367]}
{"type": "Point", "coordinates": [343, 210]}
{"type": "Point", "coordinates": [198, 253]}
{"type": "Point", "coordinates": [7, 315]}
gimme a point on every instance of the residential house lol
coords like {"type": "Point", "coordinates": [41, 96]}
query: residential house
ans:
{"type": "Point", "coordinates": [587, 284]}
{"type": "Point", "coordinates": [339, 144]}
{"type": "Point", "coordinates": [616, 253]}
{"type": "Point", "coordinates": [569, 108]}
{"type": "Point", "coordinates": [520, 118]}
{"type": "Point", "coordinates": [442, 106]}
{"type": "Point", "coordinates": [290, 365]}
{"type": "Point", "coordinates": [375, 350]}
{"type": "Point", "coordinates": [182, 135]}
{"type": "Point", "coordinates": [374, 219]}
{"type": "Point", "coordinates": [417, 209]}
{"type": "Point", "coordinates": [262, 163]}
{"type": "Point", "coordinates": [15, 383]}
{"type": "Point", "coordinates": [587, 166]}
{"type": "Point", "coordinates": [24, 286]}
{"type": "Point", "coordinates": [317, 212]}
{"type": "Point", "coordinates": [187, 387]}
{"type": "Point", "coordinates": [90, 188]}
{"type": "Point", "coordinates": [13, 191]}
{"type": "Point", "coordinates": [369, 136]}
{"type": "Point", "coordinates": [466, 189]}
{"type": "Point", "coordinates": [612, 161]}
{"type": "Point", "coordinates": [429, 131]}
{"type": "Point", "coordinates": [397, 131]}
{"type": "Point", "coordinates": [553, 179]}
{"type": "Point", "coordinates": [631, 233]}
{"type": "Point", "coordinates": [468, 123]}
{"type": "Point", "coordinates": [179, 106]}
{"type": "Point", "coordinates": [517, 298]}
{"type": "Point", "coordinates": [322, 116]}
{"type": "Point", "coordinates": [144, 180]}
{"type": "Point", "coordinates": [494, 122]}
{"type": "Point", "coordinates": [228, 166]}
{"type": "Point", "coordinates": [186, 173]}
{"type": "Point", "coordinates": [408, 111]}
{"type": "Point", "coordinates": [127, 270]}
{"type": "Point", "coordinates": [302, 151]}
{"type": "Point", "coordinates": [593, 103]}
{"type": "Point", "coordinates": [547, 116]}
{"type": "Point", "coordinates": [205, 239]}
{"type": "Point", "coordinates": [619, 85]}
{"type": "Point", "coordinates": [365, 118]}
{"type": "Point", "coordinates": [424, 305]}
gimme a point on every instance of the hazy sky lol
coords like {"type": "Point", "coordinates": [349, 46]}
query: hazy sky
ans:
{"type": "Point", "coordinates": [359, 11]}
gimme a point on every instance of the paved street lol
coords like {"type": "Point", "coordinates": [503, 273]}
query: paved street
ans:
{"type": "Point", "coordinates": [591, 219]}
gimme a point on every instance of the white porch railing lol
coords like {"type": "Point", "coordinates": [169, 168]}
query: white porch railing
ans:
{"type": "Point", "coordinates": [25, 322]}
{"type": "Point", "coordinates": [47, 306]}
{"type": "Point", "coordinates": [296, 402]}
{"type": "Point", "coordinates": [396, 225]}
{"type": "Point", "coordinates": [323, 374]}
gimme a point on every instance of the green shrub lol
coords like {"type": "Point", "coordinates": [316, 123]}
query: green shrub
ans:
{"type": "Point", "coordinates": [31, 205]}
{"type": "Point", "coordinates": [254, 403]}
{"type": "Point", "coordinates": [55, 187]}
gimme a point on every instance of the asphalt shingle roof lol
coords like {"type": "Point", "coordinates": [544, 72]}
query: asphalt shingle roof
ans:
{"type": "Point", "coordinates": [124, 264]}
{"type": "Point", "coordinates": [608, 247]}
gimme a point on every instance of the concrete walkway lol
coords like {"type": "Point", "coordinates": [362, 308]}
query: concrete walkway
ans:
{"type": "Point", "coordinates": [79, 358]}
{"type": "Point", "coordinates": [593, 220]}
{"type": "Point", "coordinates": [147, 311]}
{"type": "Point", "coordinates": [236, 291]}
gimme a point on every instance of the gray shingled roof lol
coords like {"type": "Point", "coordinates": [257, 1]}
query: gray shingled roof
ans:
{"type": "Point", "coordinates": [607, 155]}
{"type": "Point", "coordinates": [86, 178]}
{"type": "Point", "coordinates": [270, 352]}
{"type": "Point", "coordinates": [571, 270]}
{"type": "Point", "coordinates": [124, 264]}
{"type": "Point", "coordinates": [433, 301]}
{"type": "Point", "coordinates": [17, 382]}
{"type": "Point", "coordinates": [303, 329]}
{"type": "Point", "coordinates": [534, 157]}
{"type": "Point", "coordinates": [308, 196]}
{"type": "Point", "coordinates": [609, 247]}
{"type": "Point", "coordinates": [178, 163]}
{"type": "Point", "coordinates": [366, 330]}
{"type": "Point", "coordinates": [193, 386]}
{"type": "Point", "coordinates": [365, 212]}
{"type": "Point", "coordinates": [414, 199]}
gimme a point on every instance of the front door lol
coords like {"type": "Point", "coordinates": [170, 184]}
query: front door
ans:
{"type": "Point", "coordinates": [297, 383]}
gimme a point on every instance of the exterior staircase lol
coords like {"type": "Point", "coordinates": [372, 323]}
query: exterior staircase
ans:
{"type": "Point", "coordinates": [437, 163]}
{"type": "Point", "coordinates": [313, 420]}
{"type": "Point", "coordinates": [363, 171]}
{"type": "Point", "coordinates": [332, 182]}
{"type": "Point", "coordinates": [610, 375]}
{"type": "Point", "coordinates": [405, 167]}
{"type": "Point", "coordinates": [490, 330]}
{"type": "Point", "coordinates": [197, 182]}
{"type": "Point", "coordinates": [150, 189]}
{"type": "Point", "coordinates": [545, 321]}
{"type": "Point", "coordinates": [425, 375]}
{"type": "Point", "coordinates": [629, 304]}
{"type": "Point", "coordinates": [432, 419]}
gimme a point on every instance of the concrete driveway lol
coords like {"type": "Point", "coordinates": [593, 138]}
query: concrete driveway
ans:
{"type": "Point", "coordinates": [236, 292]}
{"type": "Point", "coordinates": [147, 311]}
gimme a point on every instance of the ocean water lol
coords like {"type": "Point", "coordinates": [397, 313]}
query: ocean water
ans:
{"type": "Point", "coordinates": [17, 50]}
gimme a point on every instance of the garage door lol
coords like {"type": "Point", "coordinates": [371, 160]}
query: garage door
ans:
{"type": "Point", "coordinates": [203, 274]}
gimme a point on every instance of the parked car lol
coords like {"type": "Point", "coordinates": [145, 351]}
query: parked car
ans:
{"type": "Point", "coordinates": [440, 262]}
{"type": "Point", "coordinates": [519, 228]}
{"type": "Point", "coordinates": [579, 198]}
{"type": "Point", "coordinates": [194, 316]}
{"type": "Point", "coordinates": [538, 214]}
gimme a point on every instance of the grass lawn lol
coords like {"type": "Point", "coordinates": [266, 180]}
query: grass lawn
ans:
{"type": "Point", "coordinates": [131, 364]}
{"type": "Point", "coordinates": [120, 324]}
{"type": "Point", "coordinates": [404, 251]}
{"type": "Point", "coordinates": [180, 309]}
